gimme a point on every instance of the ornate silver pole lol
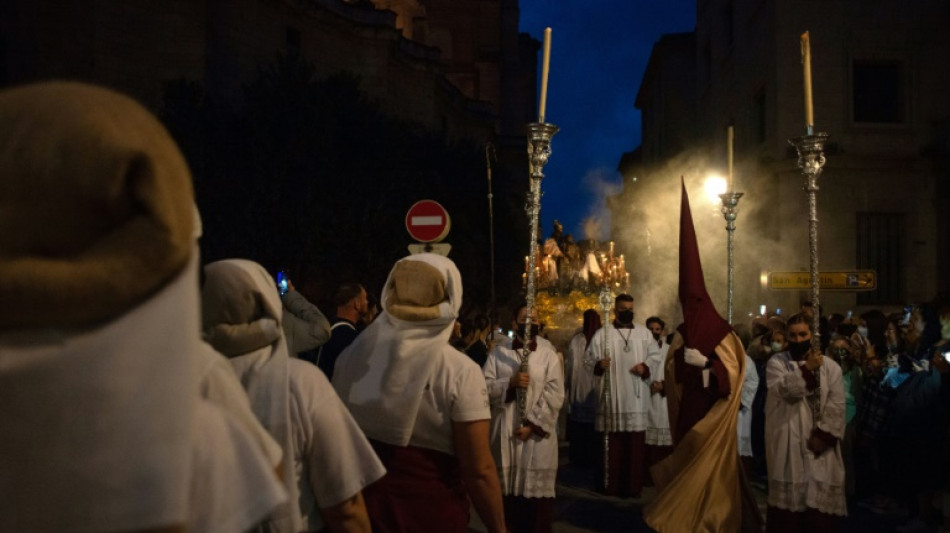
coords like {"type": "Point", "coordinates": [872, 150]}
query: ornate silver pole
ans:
{"type": "Point", "coordinates": [606, 302]}
{"type": "Point", "coordinates": [489, 154]}
{"type": "Point", "coordinates": [811, 160]}
{"type": "Point", "coordinates": [539, 150]}
{"type": "Point", "coordinates": [730, 210]}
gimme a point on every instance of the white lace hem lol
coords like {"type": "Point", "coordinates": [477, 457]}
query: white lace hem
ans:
{"type": "Point", "coordinates": [537, 483]}
{"type": "Point", "coordinates": [659, 437]}
{"type": "Point", "coordinates": [623, 422]}
{"type": "Point", "coordinates": [828, 499]}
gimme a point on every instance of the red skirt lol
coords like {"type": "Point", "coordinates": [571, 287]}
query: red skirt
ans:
{"type": "Point", "coordinates": [421, 492]}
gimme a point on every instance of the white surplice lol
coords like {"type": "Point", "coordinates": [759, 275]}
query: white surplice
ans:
{"type": "Point", "coordinates": [526, 468]}
{"type": "Point", "coordinates": [797, 479]}
{"type": "Point", "coordinates": [658, 417]}
{"type": "Point", "coordinates": [583, 396]}
{"type": "Point", "coordinates": [629, 393]}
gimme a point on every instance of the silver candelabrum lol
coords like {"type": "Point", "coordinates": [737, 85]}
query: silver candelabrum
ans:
{"type": "Point", "coordinates": [730, 210]}
{"type": "Point", "coordinates": [811, 160]}
{"type": "Point", "coordinates": [539, 150]}
{"type": "Point", "coordinates": [606, 302]}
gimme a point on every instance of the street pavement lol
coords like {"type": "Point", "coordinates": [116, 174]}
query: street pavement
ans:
{"type": "Point", "coordinates": [580, 508]}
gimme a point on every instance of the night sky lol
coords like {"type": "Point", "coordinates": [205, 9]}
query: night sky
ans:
{"type": "Point", "coordinates": [599, 53]}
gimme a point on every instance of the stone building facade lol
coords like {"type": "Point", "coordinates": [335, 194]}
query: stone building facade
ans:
{"type": "Point", "coordinates": [879, 75]}
{"type": "Point", "coordinates": [464, 70]}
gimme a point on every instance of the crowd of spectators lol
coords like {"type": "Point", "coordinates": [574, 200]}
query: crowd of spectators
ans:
{"type": "Point", "coordinates": [896, 378]}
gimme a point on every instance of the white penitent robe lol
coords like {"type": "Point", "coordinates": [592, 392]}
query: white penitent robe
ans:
{"type": "Point", "coordinates": [526, 468]}
{"type": "Point", "coordinates": [797, 479]}
{"type": "Point", "coordinates": [750, 384]}
{"type": "Point", "coordinates": [658, 418]}
{"type": "Point", "coordinates": [629, 393]}
{"type": "Point", "coordinates": [583, 396]}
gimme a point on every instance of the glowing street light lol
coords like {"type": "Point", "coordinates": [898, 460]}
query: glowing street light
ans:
{"type": "Point", "coordinates": [715, 185]}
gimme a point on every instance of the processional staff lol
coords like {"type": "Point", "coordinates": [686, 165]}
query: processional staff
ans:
{"type": "Point", "coordinates": [539, 150]}
{"type": "Point", "coordinates": [606, 301]}
{"type": "Point", "coordinates": [489, 155]}
{"type": "Point", "coordinates": [811, 160]}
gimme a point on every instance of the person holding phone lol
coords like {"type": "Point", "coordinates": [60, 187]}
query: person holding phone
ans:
{"type": "Point", "coordinates": [327, 459]}
{"type": "Point", "coordinates": [305, 327]}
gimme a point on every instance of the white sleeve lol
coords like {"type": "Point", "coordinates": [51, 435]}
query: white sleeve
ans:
{"type": "Point", "coordinates": [595, 352]}
{"type": "Point", "coordinates": [233, 486]}
{"type": "Point", "coordinates": [340, 460]}
{"type": "Point", "coordinates": [497, 387]}
{"type": "Point", "coordinates": [789, 384]}
{"type": "Point", "coordinates": [833, 409]}
{"type": "Point", "coordinates": [545, 411]}
{"type": "Point", "coordinates": [471, 396]}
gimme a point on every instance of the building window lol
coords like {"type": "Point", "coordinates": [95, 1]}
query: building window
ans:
{"type": "Point", "coordinates": [878, 92]}
{"type": "Point", "coordinates": [879, 249]}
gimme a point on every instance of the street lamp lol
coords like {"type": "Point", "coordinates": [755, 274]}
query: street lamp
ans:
{"type": "Point", "coordinates": [714, 186]}
{"type": "Point", "coordinates": [717, 189]}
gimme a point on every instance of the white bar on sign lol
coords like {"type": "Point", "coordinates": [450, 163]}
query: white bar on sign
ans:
{"type": "Point", "coordinates": [427, 221]}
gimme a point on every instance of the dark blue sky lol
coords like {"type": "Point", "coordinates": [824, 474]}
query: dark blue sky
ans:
{"type": "Point", "coordinates": [599, 52]}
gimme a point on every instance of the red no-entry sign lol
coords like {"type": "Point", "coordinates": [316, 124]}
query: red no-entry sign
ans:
{"type": "Point", "coordinates": [428, 221]}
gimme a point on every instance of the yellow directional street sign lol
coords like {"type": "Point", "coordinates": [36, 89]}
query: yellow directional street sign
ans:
{"type": "Point", "coordinates": [853, 280]}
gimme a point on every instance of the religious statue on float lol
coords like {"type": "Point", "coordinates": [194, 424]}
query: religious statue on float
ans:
{"type": "Point", "coordinates": [588, 266]}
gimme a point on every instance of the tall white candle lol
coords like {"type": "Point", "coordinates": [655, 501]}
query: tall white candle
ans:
{"type": "Point", "coordinates": [545, 67]}
{"type": "Point", "coordinates": [730, 141]}
{"type": "Point", "coordinates": [806, 68]}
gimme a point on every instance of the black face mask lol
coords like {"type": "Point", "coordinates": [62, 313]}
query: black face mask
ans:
{"type": "Point", "coordinates": [656, 336]}
{"type": "Point", "coordinates": [522, 330]}
{"type": "Point", "coordinates": [625, 317]}
{"type": "Point", "coordinates": [798, 349]}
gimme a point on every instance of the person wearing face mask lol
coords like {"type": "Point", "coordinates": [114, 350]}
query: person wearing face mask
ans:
{"type": "Point", "coordinates": [525, 445]}
{"type": "Point", "coordinates": [805, 423]}
{"type": "Point", "coordinates": [872, 413]}
{"type": "Point", "coordinates": [628, 351]}
{"type": "Point", "coordinates": [844, 352]}
{"type": "Point", "coordinates": [659, 440]}
{"type": "Point", "coordinates": [916, 420]}
{"type": "Point", "coordinates": [774, 342]}
{"type": "Point", "coordinates": [894, 341]}
{"type": "Point", "coordinates": [777, 341]}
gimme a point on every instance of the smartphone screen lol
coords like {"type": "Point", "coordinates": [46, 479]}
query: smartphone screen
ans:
{"type": "Point", "coordinates": [282, 282]}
